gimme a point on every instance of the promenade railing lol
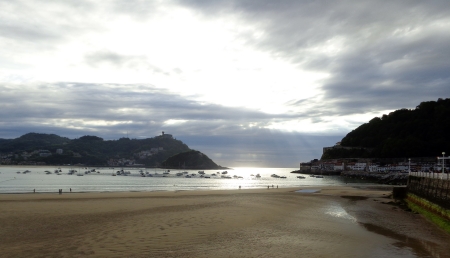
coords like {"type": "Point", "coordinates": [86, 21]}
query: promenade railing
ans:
{"type": "Point", "coordinates": [434, 187]}
{"type": "Point", "coordinates": [431, 175]}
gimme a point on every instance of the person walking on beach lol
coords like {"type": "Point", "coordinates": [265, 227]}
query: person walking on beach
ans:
{"type": "Point", "coordinates": [70, 189]}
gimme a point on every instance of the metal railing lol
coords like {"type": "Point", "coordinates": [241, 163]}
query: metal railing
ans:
{"type": "Point", "coordinates": [445, 176]}
{"type": "Point", "coordinates": [430, 187]}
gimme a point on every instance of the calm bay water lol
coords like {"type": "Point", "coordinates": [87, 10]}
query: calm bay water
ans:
{"type": "Point", "coordinates": [14, 180]}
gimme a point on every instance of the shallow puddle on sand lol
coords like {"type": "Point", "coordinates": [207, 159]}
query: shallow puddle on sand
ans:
{"type": "Point", "coordinates": [418, 247]}
{"type": "Point", "coordinates": [338, 212]}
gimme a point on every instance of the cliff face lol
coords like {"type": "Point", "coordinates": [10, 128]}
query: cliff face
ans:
{"type": "Point", "coordinates": [420, 132]}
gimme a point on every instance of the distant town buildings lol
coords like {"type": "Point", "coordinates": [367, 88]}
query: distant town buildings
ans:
{"type": "Point", "coordinates": [44, 153]}
{"type": "Point", "coordinates": [147, 153]}
{"type": "Point", "coordinates": [35, 157]}
{"type": "Point", "coordinates": [345, 165]}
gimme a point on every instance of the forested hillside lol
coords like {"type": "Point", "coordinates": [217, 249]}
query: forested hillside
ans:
{"type": "Point", "coordinates": [90, 150]}
{"type": "Point", "coordinates": [420, 132]}
{"type": "Point", "coordinates": [190, 160]}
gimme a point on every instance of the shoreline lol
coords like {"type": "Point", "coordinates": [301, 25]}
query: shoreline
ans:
{"type": "Point", "coordinates": [334, 221]}
{"type": "Point", "coordinates": [360, 186]}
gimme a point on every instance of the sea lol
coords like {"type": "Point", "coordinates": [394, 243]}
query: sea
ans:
{"type": "Point", "coordinates": [48, 179]}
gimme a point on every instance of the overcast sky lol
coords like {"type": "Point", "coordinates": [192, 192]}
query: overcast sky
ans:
{"type": "Point", "coordinates": [248, 83]}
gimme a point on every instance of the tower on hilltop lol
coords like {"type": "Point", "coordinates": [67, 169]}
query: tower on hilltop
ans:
{"type": "Point", "coordinates": [164, 135]}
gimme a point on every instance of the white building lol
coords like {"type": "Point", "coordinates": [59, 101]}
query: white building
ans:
{"type": "Point", "coordinates": [357, 166]}
{"type": "Point", "coordinates": [44, 153]}
{"type": "Point", "coordinates": [338, 166]}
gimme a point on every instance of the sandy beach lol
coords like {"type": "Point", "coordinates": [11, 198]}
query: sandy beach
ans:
{"type": "Point", "coordinates": [300, 222]}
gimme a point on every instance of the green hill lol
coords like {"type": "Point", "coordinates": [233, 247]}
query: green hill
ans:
{"type": "Point", "coordinates": [420, 132]}
{"type": "Point", "coordinates": [190, 160]}
{"type": "Point", "coordinates": [32, 141]}
{"type": "Point", "coordinates": [90, 150]}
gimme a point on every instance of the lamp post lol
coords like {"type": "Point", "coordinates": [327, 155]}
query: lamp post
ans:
{"type": "Point", "coordinates": [409, 166]}
{"type": "Point", "coordinates": [442, 174]}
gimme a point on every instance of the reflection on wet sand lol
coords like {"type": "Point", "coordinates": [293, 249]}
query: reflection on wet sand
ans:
{"type": "Point", "coordinates": [235, 223]}
{"type": "Point", "coordinates": [420, 248]}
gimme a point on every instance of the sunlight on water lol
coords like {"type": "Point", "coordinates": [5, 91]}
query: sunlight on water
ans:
{"type": "Point", "coordinates": [338, 212]}
{"type": "Point", "coordinates": [14, 180]}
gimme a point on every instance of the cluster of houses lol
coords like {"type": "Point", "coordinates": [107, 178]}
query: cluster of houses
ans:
{"type": "Point", "coordinates": [26, 158]}
{"type": "Point", "coordinates": [121, 162]}
{"type": "Point", "coordinates": [368, 166]}
{"type": "Point", "coordinates": [132, 162]}
{"type": "Point", "coordinates": [147, 153]}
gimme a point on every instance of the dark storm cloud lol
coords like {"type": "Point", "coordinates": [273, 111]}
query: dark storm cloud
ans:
{"type": "Point", "coordinates": [142, 105]}
{"type": "Point", "coordinates": [141, 111]}
{"type": "Point", "coordinates": [390, 54]}
{"type": "Point", "coordinates": [377, 55]}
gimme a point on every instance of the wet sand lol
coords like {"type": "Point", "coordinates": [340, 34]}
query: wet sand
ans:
{"type": "Point", "coordinates": [320, 222]}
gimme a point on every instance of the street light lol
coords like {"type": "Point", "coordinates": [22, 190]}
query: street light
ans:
{"type": "Point", "coordinates": [442, 174]}
{"type": "Point", "coordinates": [409, 166]}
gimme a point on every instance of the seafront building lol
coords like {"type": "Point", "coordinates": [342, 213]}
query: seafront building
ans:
{"type": "Point", "coordinates": [424, 164]}
{"type": "Point", "coordinates": [368, 166]}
